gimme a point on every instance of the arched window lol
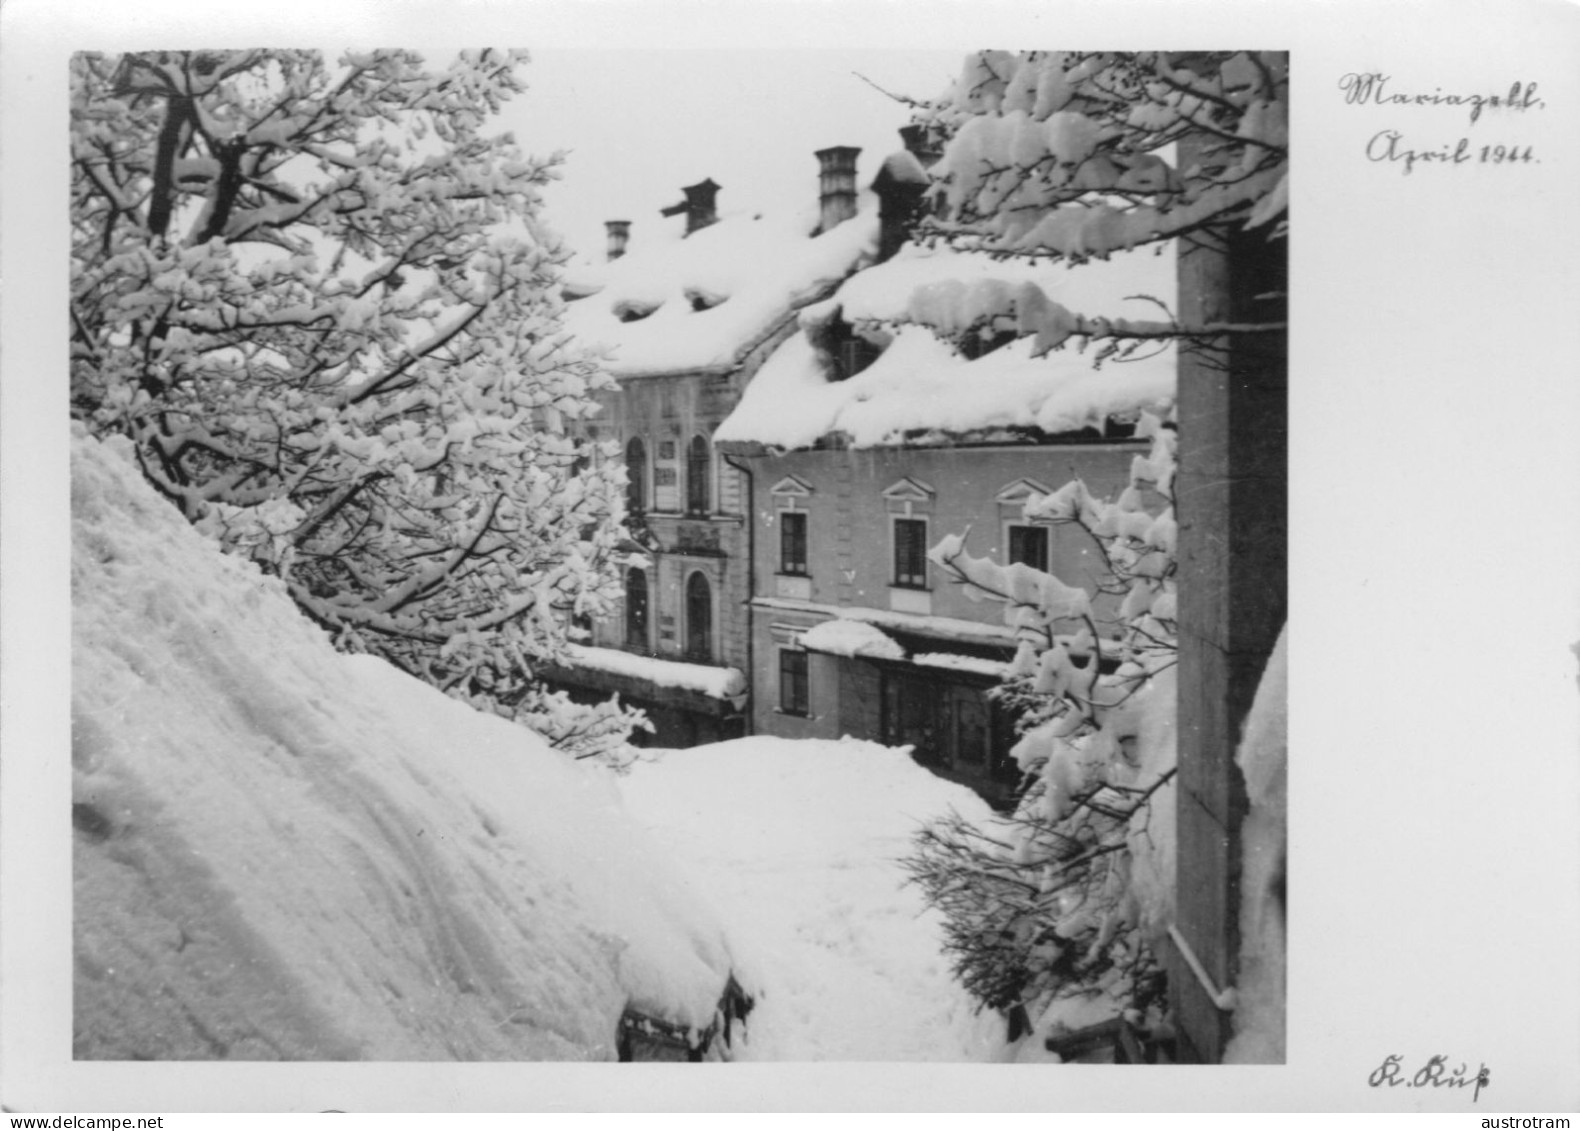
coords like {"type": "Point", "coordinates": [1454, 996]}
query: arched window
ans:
{"type": "Point", "coordinates": [699, 468]}
{"type": "Point", "coordinates": [636, 609]}
{"type": "Point", "coordinates": [636, 476]}
{"type": "Point", "coordinates": [699, 618]}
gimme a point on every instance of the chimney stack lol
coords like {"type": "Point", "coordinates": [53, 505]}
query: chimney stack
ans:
{"type": "Point", "coordinates": [901, 187]}
{"type": "Point", "coordinates": [920, 144]}
{"type": "Point", "coordinates": [836, 185]}
{"type": "Point", "coordinates": [699, 206]}
{"type": "Point", "coordinates": [619, 232]}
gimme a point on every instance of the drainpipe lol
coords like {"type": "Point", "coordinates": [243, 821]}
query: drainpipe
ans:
{"type": "Point", "coordinates": [751, 590]}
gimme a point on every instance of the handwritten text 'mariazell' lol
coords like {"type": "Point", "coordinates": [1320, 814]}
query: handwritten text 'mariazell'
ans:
{"type": "Point", "coordinates": [1362, 87]}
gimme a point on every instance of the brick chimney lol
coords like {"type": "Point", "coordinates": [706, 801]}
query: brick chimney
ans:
{"type": "Point", "coordinates": [836, 185]}
{"type": "Point", "coordinates": [619, 232]}
{"type": "Point", "coordinates": [699, 206]}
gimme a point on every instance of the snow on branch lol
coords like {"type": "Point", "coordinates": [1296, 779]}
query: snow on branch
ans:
{"type": "Point", "coordinates": [317, 298]}
{"type": "Point", "coordinates": [1081, 154]}
{"type": "Point", "coordinates": [1059, 902]}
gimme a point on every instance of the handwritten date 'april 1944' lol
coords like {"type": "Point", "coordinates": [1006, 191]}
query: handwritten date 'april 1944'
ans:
{"type": "Point", "coordinates": [1388, 145]}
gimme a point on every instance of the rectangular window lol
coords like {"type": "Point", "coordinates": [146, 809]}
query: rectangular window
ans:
{"type": "Point", "coordinates": [792, 542]}
{"type": "Point", "coordinates": [666, 479]}
{"type": "Point", "coordinates": [699, 469]}
{"type": "Point", "coordinates": [793, 697]}
{"type": "Point", "coordinates": [910, 553]}
{"type": "Point", "coordinates": [1029, 544]}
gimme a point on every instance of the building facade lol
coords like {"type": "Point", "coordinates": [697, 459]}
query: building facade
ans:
{"type": "Point", "coordinates": [886, 422]}
{"type": "Point", "coordinates": [855, 632]}
{"type": "Point", "coordinates": [685, 322]}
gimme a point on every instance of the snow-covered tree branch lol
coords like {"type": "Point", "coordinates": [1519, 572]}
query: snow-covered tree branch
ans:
{"type": "Point", "coordinates": [1080, 154]}
{"type": "Point", "coordinates": [318, 299]}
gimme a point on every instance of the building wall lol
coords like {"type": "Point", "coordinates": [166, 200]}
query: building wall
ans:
{"type": "Point", "coordinates": [671, 409]}
{"type": "Point", "coordinates": [849, 521]}
{"type": "Point", "coordinates": [850, 559]}
{"type": "Point", "coordinates": [823, 700]}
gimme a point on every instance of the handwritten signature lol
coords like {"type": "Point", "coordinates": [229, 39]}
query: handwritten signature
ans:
{"type": "Point", "coordinates": [1433, 1074]}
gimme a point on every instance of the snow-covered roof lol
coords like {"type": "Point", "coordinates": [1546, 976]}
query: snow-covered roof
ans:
{"type": "Point", "coordinates": [714, 682]}
{"type": "Point", "coordinates": [673, 304]}
{"type": "Point", "coordinates": [921, 384]}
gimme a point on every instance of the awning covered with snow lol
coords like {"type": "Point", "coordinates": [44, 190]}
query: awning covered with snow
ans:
{"type": "Point", "coordinates": [955, 630]}
{"type": "Point", "coordinates": [855, 638]}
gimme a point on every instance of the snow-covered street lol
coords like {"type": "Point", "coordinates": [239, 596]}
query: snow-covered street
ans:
{"type": "Point", "coordinates": [795, 842]}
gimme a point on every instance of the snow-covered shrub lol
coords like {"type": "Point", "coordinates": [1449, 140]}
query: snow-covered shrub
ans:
{"type": "Point", "coordinates": [319, 301]}
{"type": "Point", "coordinates": [1040, 905]}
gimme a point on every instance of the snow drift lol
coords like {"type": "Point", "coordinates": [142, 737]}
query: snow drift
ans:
{"type": "Point", "coordinates": [798, 843]}
{"type": "Point", "coordinates": [285, 852]}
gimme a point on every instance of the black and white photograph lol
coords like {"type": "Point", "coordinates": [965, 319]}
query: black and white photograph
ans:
{"type": "Point", "coordinates": [921, 574]}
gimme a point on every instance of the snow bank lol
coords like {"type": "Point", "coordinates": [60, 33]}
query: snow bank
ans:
{"type": "Point", "coordinates": [714, 682]}
{"type": "Point", "coordinates": [697, 302]}
{"type": "Point", "coordinates": [921, 384]}
{"type": "Point", "coordinates": [797, 843]}
{"type": "Point", "coordinates": [284, 852]}
{"type": "Point", "coordinates": [1263, 758]}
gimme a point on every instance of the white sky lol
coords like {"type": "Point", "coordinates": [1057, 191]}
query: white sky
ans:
{"type": "Point", "coordinates": [640, 124]}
